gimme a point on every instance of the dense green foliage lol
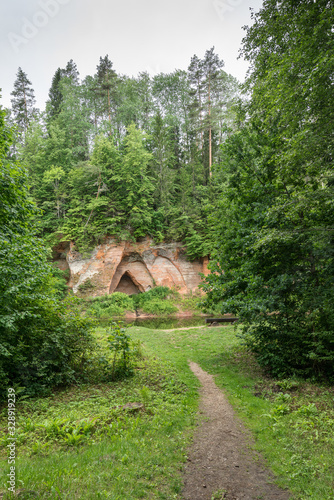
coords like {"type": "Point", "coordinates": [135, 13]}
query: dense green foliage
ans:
{"type": "Point", "coordinates": [273, 263]}
{"type": "Point", "coordinates": [42, 342]}
{"type": "Point", "coordinates": [160, 301]}
{"type": "Point", "coordinates": [109, 306]}
{"type": "Point", "coordinates": [128, 157]}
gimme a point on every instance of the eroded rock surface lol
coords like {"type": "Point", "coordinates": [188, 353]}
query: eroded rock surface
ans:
{"type": "Point", "coordinates": [132, 268]}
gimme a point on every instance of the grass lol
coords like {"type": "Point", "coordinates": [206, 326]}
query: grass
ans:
{"type": "Point", "coordinates": [88, 442]}
{"type": "Point", "coordinates": [292, 420]}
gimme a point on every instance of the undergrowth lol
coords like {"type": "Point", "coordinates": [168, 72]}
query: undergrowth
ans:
{"type": "Point", "coordinates": [117, 439]}
{"type": "Point", "coordinates": [159, 301]}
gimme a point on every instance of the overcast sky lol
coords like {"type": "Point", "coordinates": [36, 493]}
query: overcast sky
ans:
{"type": "Point", "coordinates": [138, 35]}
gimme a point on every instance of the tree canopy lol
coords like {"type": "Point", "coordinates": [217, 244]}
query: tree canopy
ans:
{"type": "Point", "coordinates": [41, 343]}
{"type": "Point", "coordinates": [273, 263]}
{"type": "Point", "coordinates": [128, 157]}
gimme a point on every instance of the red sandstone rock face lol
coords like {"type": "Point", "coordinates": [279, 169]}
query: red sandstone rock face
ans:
{"type": "Point", "coordinates": [133, 267]}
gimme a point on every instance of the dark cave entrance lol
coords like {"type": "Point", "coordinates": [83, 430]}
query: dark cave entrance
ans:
{"type": "Point", "coordinates": [126, 285]}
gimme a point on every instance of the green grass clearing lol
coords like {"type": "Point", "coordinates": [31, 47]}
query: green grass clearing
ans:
{"type": "Point", "coordinates": [84, 442]}
{"type": "Point", "coordinates": [292, 420]}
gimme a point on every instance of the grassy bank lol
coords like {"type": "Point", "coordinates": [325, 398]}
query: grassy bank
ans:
{"type": "Point", "coordinates": [128, 439]}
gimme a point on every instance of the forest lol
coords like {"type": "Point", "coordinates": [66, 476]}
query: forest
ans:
{"type": "Point", "coordinates": [129, 157]}
{"type": "Point", "coordinates": [243, 174]}
{"type": "Point", "coordinates": [239, 173]}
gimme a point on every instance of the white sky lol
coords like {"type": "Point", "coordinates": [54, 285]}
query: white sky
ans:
{"type": "Point", "coordinates": [138, 35]}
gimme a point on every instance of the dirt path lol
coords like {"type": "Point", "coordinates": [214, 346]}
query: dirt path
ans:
{"type": "Point", "coordinates": [220, 459]}
{"type": "Point", "coordinates": [184, 328]}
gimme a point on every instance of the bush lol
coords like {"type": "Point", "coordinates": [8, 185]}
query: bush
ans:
{"type": "Point", "coordinates": [115, 355]}
{"type": "Point", "coordinates": [49, 349]}
{"type": "Point", "coordinates": [119, 345]}
{"type": "Point", "coordinates": [159, 307]}
{"type": "Point", "coordinates": [107, 306]}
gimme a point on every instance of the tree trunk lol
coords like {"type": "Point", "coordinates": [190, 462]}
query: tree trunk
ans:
{"type": "Point", "coordinates": [109, 112]}
{"type": "Point", "coordinates": [210, 133]}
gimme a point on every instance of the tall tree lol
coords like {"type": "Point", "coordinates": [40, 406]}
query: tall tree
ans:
{"type": "Point", "coordinates": [71, 72]}
{"type": "Point", "coordinates": [23, 101]}
{"type": "Point", "coordinates": [163, 161]}
{"type": "Point", "coordinates": [196, 75]}
{"type": "Point", "coordinates": [53, 106]}
{"type": "Point", "coordinates": [106, 79]}
{"type": "Point", "coordinates": [213, 80]}
{"type": "Point", "coordinates": [274, 224]}
{"type": "Point", "coordinates": [208, 91]}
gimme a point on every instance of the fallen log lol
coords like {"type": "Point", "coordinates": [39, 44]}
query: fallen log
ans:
{"type": "Point", "coordinates": [221, 320]}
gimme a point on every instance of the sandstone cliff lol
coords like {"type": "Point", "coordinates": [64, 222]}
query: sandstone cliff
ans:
{"type": "Point", "coordinates": [130, 267]}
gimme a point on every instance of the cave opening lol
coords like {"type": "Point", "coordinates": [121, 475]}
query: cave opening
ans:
{"type": "Point", "coordinates": [126, 285]}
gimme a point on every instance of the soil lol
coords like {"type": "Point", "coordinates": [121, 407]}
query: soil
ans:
{"type": "Point", "coordinates": [221, 464]}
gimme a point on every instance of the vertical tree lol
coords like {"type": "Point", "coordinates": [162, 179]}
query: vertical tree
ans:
{"type": "Point", "coordinates": [207, 81]}
{"type": "Point", "coordinates": [106, 79]}
{"type": "Point", "coordinates": [53, 105]}
{"type": "Point", "coordinates": [196, 75]}
{"type": "Point", "coordinates": [213, 80]}
{"type": "Point", "coordinates": [163, 161]}
{"type": "Point", "coordinates": [23, 101]}
{"type": "Point", "coordinates": [71, 72]}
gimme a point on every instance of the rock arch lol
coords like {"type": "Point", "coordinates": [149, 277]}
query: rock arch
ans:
{"type": "Point", "coordinates": [131, 276]}
{"type": "Point", "coordinates": [167, 274]}
{"type": "Point", "coordinates": [127, 285]}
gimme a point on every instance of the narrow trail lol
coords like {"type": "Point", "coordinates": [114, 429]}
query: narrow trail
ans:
{"type": "Point", "coordinates": [220, 459]}
{"type": "Point", "coordinates": [182, 328]}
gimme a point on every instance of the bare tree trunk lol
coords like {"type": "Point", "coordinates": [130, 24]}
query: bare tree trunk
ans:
{"type": "Point", "coordinates": [109, 109]}
{"type": "Point", "coordinates": [210, 132]}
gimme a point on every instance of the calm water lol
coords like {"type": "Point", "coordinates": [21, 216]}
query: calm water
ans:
{"type": "Point", "coordinates": [167, 323]}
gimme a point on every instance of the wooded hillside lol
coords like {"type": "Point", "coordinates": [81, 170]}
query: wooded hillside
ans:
{"type": "Point", "coordinates": [125, 156]}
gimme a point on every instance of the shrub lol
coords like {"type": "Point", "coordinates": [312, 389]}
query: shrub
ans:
{"type": "Point", "coordinates": [115, 304]}
{"type": "Point", "coordinates": [119, 345]}
{"type": "Point", "coordinates": [50, 348]}
{"type": "Point", "coordinates": [159, 307]}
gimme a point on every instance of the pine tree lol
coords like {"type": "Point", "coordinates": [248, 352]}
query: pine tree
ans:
{"type": "Point", "coordinates": [23, 101]}
{"type": "Point", "coordinates": [208, 82]}
{"type": "Point", "coordinates": [212, 66]}
{"type": "Point", "coordinates": [195, 74]}
{"type": "Point", "coordinates": [106, 78]}
{"type": "Point", "coordinates": [55, 96]}
{"type": "Point", "coordinates": [71, 72]}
